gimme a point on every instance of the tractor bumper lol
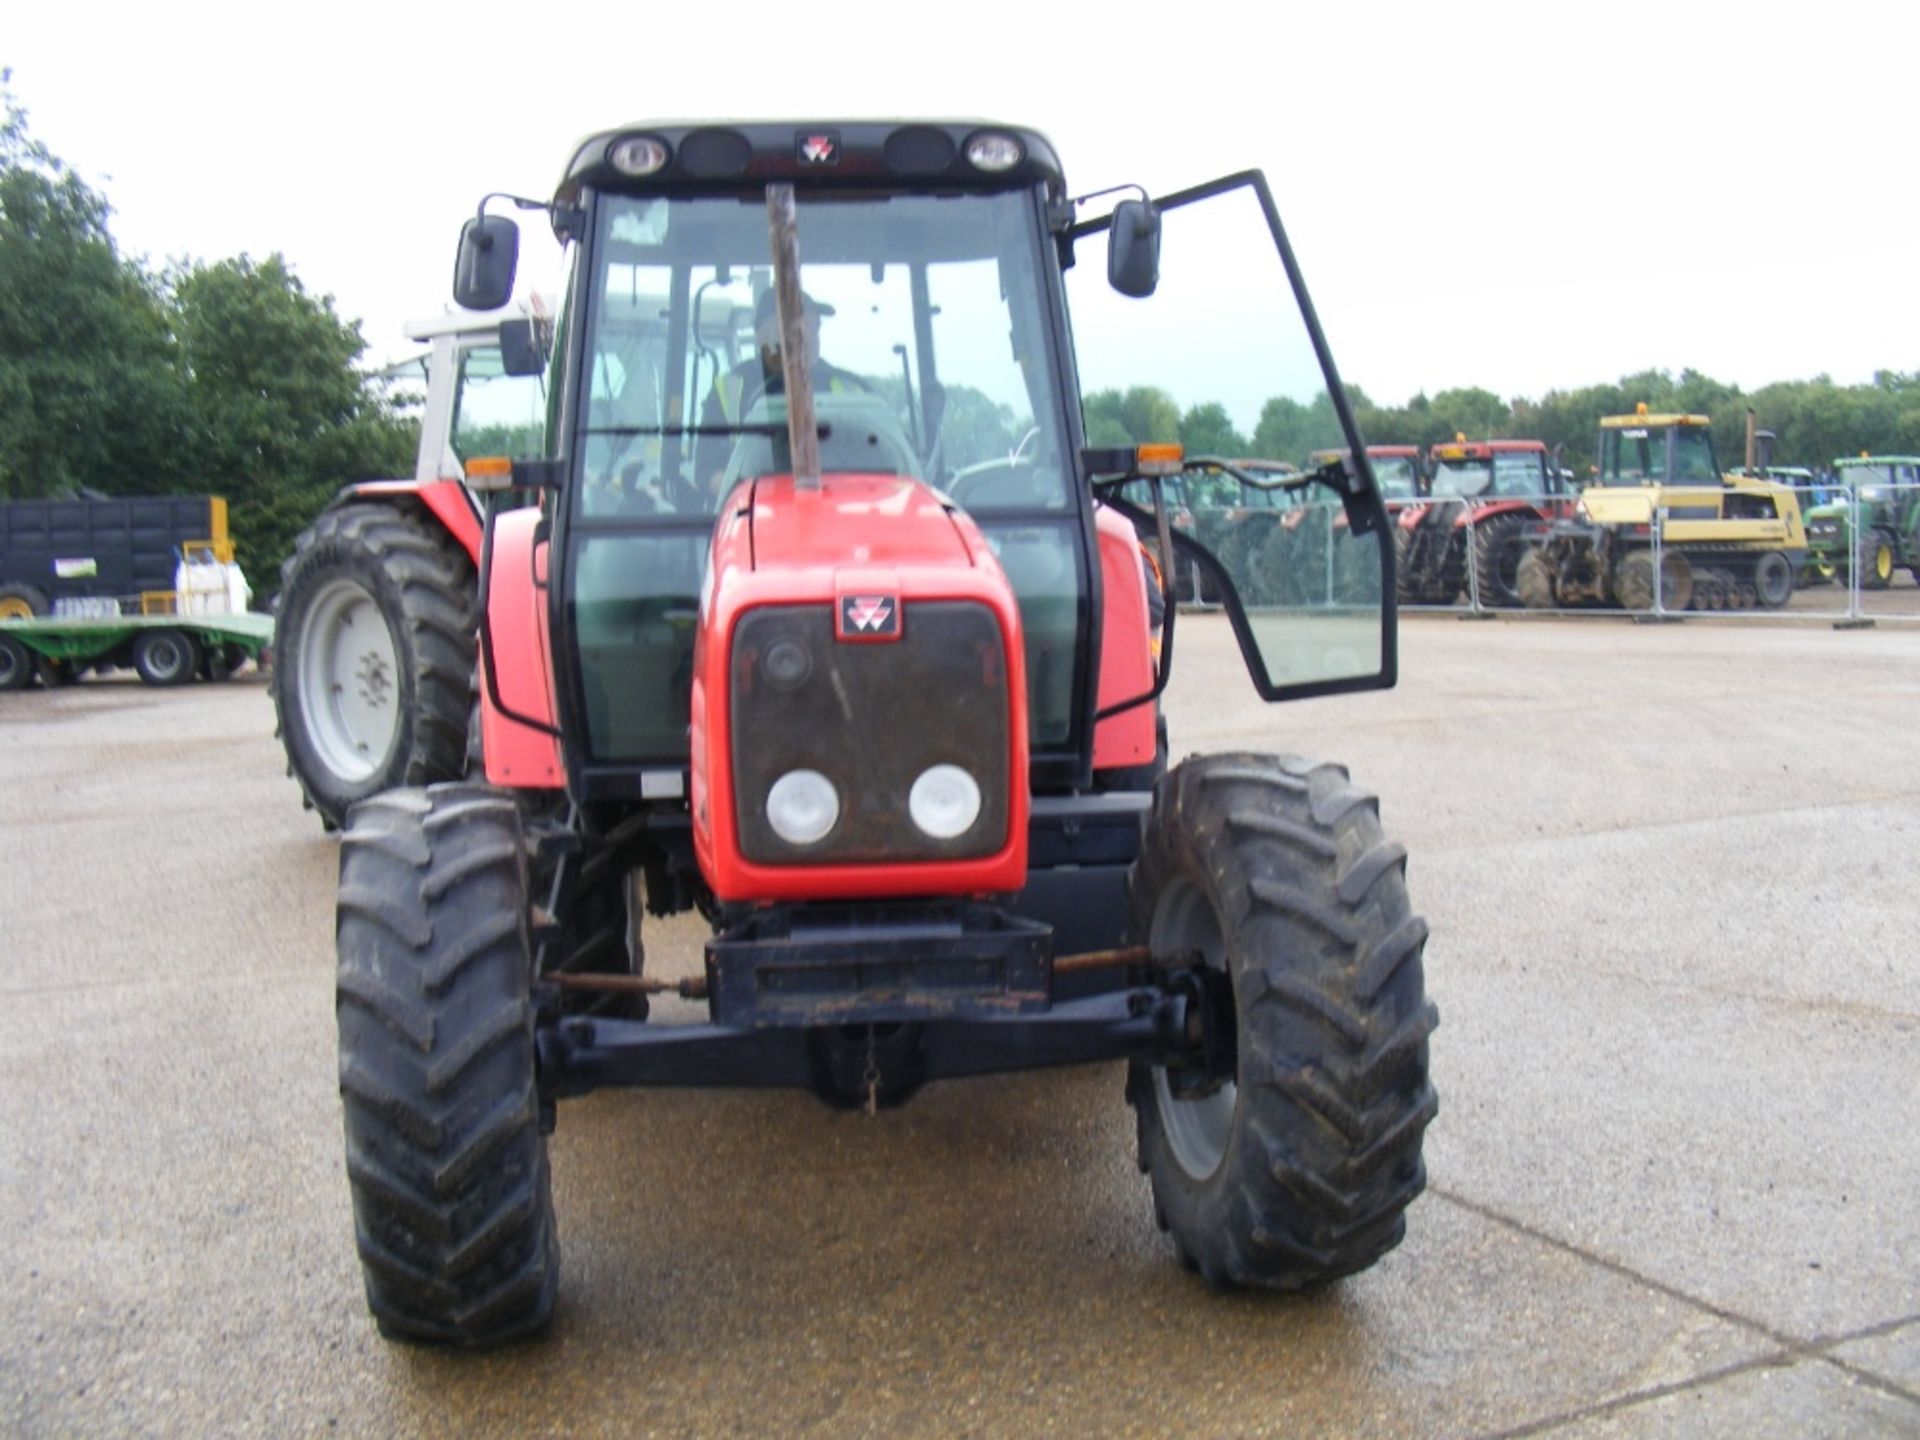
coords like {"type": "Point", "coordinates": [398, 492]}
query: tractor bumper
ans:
{"type": "Point", "coordinates": [818, 997]}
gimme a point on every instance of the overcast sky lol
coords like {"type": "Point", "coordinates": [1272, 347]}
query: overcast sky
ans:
{"type": "Point", "coordinates": [1519, 197]}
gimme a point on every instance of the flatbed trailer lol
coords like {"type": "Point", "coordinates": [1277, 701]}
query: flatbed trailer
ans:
{"type": "Point", "coordinates": [168, 649]}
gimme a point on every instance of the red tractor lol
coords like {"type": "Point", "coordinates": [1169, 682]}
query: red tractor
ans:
{"type": "Point", "coordinates": [821, 649]}
{"type": "Point", "coordinates": [1489, 502]}
{"type": "Point", "coordinates": [1396, 470]}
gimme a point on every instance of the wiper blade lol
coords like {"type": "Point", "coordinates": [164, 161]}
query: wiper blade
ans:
{"type": "Point", "coordinates": [774, 428]}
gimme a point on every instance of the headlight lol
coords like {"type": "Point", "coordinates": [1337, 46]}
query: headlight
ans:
{"type": "Point", "coordinates": [944, 801]}
{"type": "Point", "coordinates": [802, 807]}
{"type": "Point", "coordinates": [995, 152]}
{"type": "Point", "coordinates": [638, 155]}
{"type": "Point", "coordinates": [787, 664]}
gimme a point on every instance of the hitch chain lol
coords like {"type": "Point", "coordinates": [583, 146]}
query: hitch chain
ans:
{"type": "Point", "coordinates": [871, 1076]}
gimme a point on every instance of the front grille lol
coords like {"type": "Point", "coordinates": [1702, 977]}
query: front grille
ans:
{"type": "Point", "coordinates": [871, 718]}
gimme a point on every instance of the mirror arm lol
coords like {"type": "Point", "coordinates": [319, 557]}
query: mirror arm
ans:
{"type": "Point", "coordinates": [1353, 490]}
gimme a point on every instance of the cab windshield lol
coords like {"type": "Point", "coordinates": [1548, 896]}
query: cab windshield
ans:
{"type": "Point", "coordinates": [930, 357]}
{"type": "Point", "coordinates": [1657, 455]}
{"type": "Point", "coordinates": [925, 334]}
{"type": "Point", "coordinates": [1395, 476]}
{"type": "Point", "coordinates": [1462, 477]}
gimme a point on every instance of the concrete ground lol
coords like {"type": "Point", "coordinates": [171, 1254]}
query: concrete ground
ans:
{"type": "Point", "coordinates": [1669, 871]}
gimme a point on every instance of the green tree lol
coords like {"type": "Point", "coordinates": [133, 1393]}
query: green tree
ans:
{"type": "Point", "coordinates": [89, 392]}
{"type": "Point", "coordinates": [1140, 415]}
{"type": "Point", "coordinates": [282, 419]}
{"type": "Point", "coordinates": [1291, 431]}
{"type": "Point", "coordinates": [1208, 430]}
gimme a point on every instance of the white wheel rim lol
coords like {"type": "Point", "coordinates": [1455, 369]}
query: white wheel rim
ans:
{"type": "Point", "coordinates": [349, 681]}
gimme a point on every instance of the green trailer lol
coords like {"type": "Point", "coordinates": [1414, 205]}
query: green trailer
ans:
{"type": "Point", "coordinates": [1885, 491]}
{"type": "Point", "coordinates": [164, 649]}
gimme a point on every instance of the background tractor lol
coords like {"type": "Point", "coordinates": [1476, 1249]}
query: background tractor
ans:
{"type": "Point", "coordinates": [1488, 501]}
{"type": "Point", "coordinates": [1396, 470]}
{"type": "Point", "coordinates": [873, 689]}
{"type": "Point", "coordinates": [374, 660]}
{"type": "Point", "coordinates": [1883, 491]}
{"type": "Point", "coordinates": [1724, 541]}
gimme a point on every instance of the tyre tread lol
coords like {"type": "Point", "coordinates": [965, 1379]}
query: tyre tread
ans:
{"type": "Point", "coordinates": [1334, 1098]}
{"type": "Point", "coordinates": [445, 1155]}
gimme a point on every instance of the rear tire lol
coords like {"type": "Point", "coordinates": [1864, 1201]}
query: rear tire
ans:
{"type": "Point", "coordinates": [22, 602]}
{"type": "Point", "coordinates": [222, 662]}
{"type": "Point", "coordinates": [1403, 587]}
{"type": "Point", "coordinates": [1633, 581]}
{"type": "Point", "coordinates": [1875, 559]}
{"type": "Point", "coordinates": [374, 656]}
{"type": "Point", "coordinates": [1297, 1171]}
{"type": "Point", "coordinates": [452, 1197]}
{"type": "Point", "coordinates": [165, 657]}
{"type": "Point", "coordinates": [16, 664]}
{"type": "Point", "coordinates": [589, 896]}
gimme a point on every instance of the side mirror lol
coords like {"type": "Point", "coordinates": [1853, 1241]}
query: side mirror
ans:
{"type": "Point", "coordinates": [1133, 249]}
{"type": "Point", "coordinates": [483, 269]}
{"type": "Point", "coordinates": [520, 349]}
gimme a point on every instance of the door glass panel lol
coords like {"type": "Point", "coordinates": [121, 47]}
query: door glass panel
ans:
{"type": "Point", "coordinates": [1221, 359]}
{"type": "Point", "coordinates": [496, 413]}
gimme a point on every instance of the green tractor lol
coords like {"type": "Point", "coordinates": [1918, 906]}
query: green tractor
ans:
{"type": "Point", "coordinates": [1886, 491]}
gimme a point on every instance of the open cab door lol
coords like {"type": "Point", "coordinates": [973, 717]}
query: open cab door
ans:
{"type": "Point", "coordinates": [1213, 342]}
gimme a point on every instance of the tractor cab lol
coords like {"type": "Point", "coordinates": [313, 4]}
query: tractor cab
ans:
{"type": "Point", "coordinates": [1651, 450]}
{"type": "Point", "coordinates": [1493, 470]}
{"type": "Point", "coordinates": [1396, 469]}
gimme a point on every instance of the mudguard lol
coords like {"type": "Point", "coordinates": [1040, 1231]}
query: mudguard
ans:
{"type": "Point", "coordinates": [518, 755]}
{"type": "Point", "coordinates": [446, 500]}
{"type": "Point", "coordinates": [1126, 647]}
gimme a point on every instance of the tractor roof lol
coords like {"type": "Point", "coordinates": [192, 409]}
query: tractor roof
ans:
{"type": "Point", "coordinates": [1876, 460]}
{"type": "Point", "coordinates": [1374, 452]}
{"type": "Point", "coordinates": [1482, 449]}
{"type": "Point", "coordinates": [1654, 422]}
{"type": "Point", "coordinates": [707, 156]}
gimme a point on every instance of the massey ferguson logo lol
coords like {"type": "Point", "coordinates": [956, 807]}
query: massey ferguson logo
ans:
{"type": "Point", "coordinates": [869, 617]}
{"type": "Point", "coordinates": [819, 149]}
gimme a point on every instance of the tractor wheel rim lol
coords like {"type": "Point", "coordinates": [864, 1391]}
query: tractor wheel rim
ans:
{"type": "Point", "coordinates": [1197, 1131]}
{"type": "Point", "coordinates": [1883, 563]}
{"type": "Point", "coordinates": [12, 607]}
{"type": "Point", "coordinates": [349, 681]}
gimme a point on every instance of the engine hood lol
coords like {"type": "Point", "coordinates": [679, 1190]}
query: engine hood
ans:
{"type": "Point", "coordinates": [856, 521]}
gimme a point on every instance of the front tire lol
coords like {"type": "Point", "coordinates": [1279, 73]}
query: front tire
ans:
{"type": "Point", "coordinates": [1499, 548]}
{"type": "Point", "coordinates": [374, 662]}
{"type": "Point", "coordinates": [452, 1198]}
{"type": "Point", "coordinates": [1299, 1169]}
{"type": "Point", "coordinates": [1533, 582]}
{"type": "Point", "coordinates": [1773, 580]}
